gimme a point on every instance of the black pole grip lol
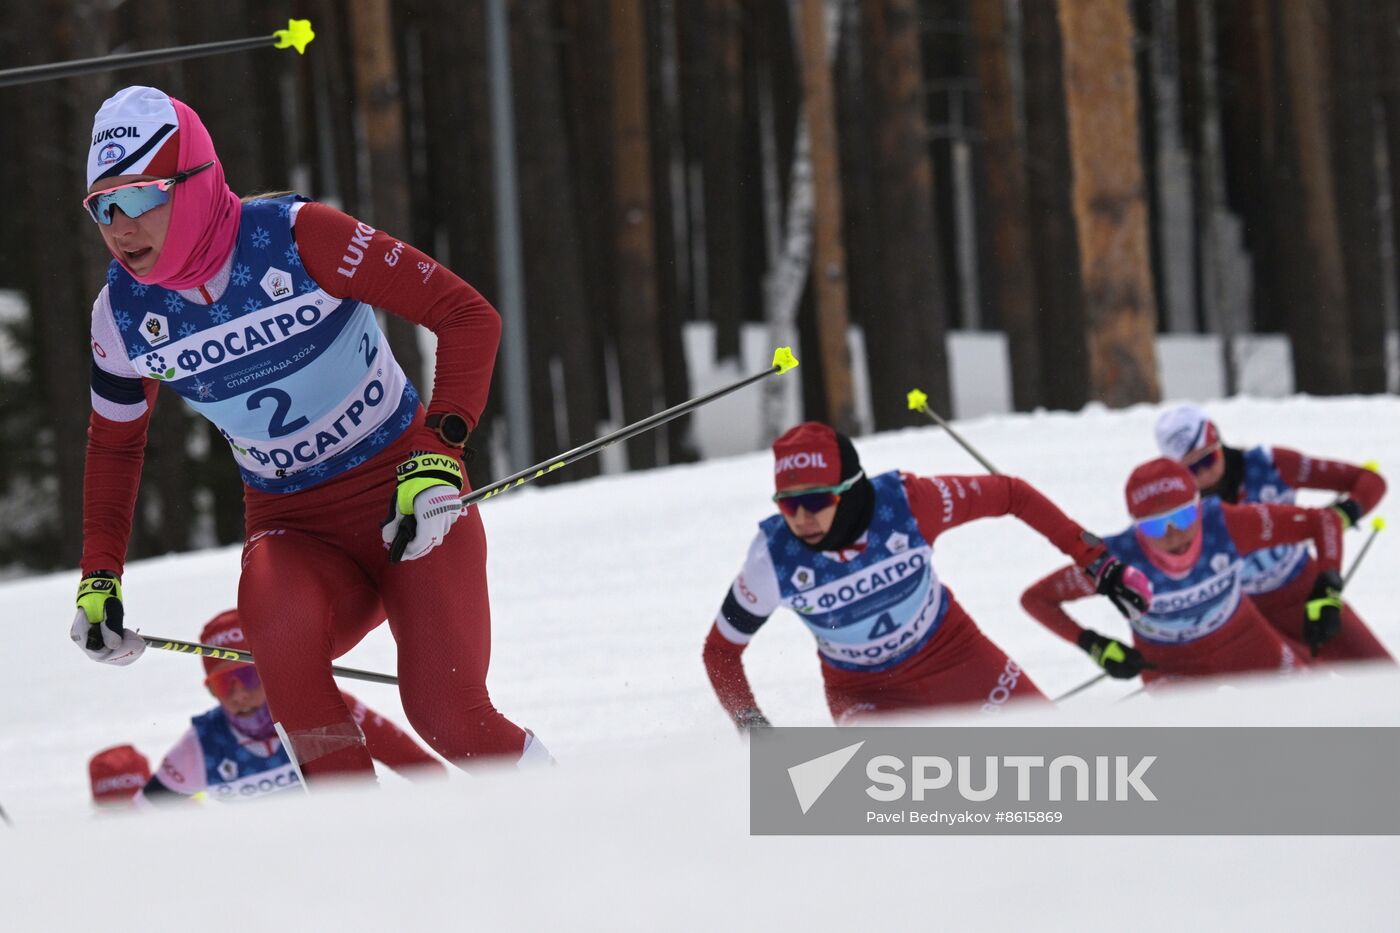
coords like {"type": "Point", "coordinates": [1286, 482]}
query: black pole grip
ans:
{"type": "Point", "coordinates": [407, 529]}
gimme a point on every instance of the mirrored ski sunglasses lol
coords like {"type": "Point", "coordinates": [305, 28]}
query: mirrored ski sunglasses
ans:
{"type": "Point", "coordinates": [1205, 461]}
{"type": "Point", "coordinates": [1181, 518]}
{"type": "Point", "coordinates": [135, 198]}
{"type": "Point", "coordinates": [814, 500]}
{"type": "Point", "coordinates": [223, 682]}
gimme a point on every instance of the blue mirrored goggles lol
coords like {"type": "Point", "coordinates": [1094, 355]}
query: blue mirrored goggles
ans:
{"type": "Point", "coordinates": [1180, 519]}
{"type": "Point", "coordinates": [136, 198]}
{"type": "Point", "coordinates": [814, 500]}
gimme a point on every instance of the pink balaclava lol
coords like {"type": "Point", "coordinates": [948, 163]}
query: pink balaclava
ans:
{"type": "Point", "coordinates": [144, 131]}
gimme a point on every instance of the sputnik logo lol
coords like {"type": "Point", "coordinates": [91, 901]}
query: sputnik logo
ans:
{"type": "Point", "coordinates": [811, 778]}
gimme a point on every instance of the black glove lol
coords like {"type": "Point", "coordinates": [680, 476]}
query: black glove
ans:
{"type": "Point", "coordinates": [1117, 659]}
{"type": "Point", "coordinates": [750, 719]}
{"type": "Point", "coordinates": [1349, 510]}
{"type": "Point", "coordinates": [1324, 610]}
{"type": "Point", "coordinates": [1126, 587]}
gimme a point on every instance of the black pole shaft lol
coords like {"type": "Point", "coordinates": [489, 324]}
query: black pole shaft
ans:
{"type": "Point", "coordinates": [942, 423]}
{"type": "Point", "coordinates": [1360, 555]}
{"type": "Point", "coordinates": [1084, 686]}
{"type": "Point", "coordinates": [32, 73]}
{"type": "Point", "coordinates": [237, 654]}
{"type": "Point", "coordinates": [621, 434]}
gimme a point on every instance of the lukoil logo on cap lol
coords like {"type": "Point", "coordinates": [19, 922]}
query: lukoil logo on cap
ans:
{"type": "Point", "coordinates": [800, 461]}
{"type": "Point", "coordinates": [1157, 487]}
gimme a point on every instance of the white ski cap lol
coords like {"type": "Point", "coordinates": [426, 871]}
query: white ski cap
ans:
{"type": "Point", "coordinates": [1183, 430]}
{"type": "Point", "coordinates": [135, 132]}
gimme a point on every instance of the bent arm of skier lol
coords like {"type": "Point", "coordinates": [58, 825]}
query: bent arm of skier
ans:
{"type": "Point", "coordinates": [1362, 489]}
{"type": "Point", "coordinates": [940, 503]}
{"type": "Point", "coordinates": [752, 598]}
{"type": "Point", "coordinates": [1257, 526]}
{"type": "Point", "coordinates": [1043, 600]}
{"type": "Point", "coordinates": [403, 280]}
{"type": "Point", "coordinates": [395, 276]}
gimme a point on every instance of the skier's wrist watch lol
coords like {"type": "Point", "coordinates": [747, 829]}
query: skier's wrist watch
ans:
{"type": "Point", "coordinates": [451, 429]}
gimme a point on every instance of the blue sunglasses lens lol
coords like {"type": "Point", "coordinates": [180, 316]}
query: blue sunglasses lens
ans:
{"type": "Point", "coordinates": [1181, 519]}
{"type": "Point", "coordinates": [813, 502]}
{"type": "Point", "coordinates": [133, 202]}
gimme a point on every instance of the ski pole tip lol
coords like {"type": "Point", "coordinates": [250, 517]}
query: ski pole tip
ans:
{"type": "Point", "coordinates": [296, 36]}
{"type": "Point", "coordinates": [1377, 523]}
{"type": "Point", "coordinates": [918, 400]}
{"type": "Point", "coordinates": [783, 360]}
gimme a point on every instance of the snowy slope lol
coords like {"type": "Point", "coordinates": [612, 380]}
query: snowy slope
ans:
{"type": "Point", "coordinates": [602, 594]}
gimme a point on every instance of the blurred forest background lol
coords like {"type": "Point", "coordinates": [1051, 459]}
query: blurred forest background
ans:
{"type": "Point", "coordinates": [1080, 175]}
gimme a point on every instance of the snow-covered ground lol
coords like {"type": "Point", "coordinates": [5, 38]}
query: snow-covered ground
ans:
{"type": "Point", "coordinates": [602, 594]}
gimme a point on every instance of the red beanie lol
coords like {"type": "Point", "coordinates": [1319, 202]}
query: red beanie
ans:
{"type": "Point", "coordinates": [222, 631]}
{"type": "Point", "coordinates": [117, 774]}
{"type": "Point", "coordinates": [807, 455]}
{"type": "Point", "coordinates": [1158, 486]}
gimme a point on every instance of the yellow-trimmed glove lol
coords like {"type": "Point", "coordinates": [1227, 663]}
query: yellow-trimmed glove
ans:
{"type": "Point", "coordinates": [1324, 610]}
{"type": "Point", "coordinates": [97, 627]}
{"type": "Point", "coordinates": [427, 501]}
{"type": "Point", "coordinates": [1119, 660]}
{"type": "Point", "coordinates": [1349, 510]}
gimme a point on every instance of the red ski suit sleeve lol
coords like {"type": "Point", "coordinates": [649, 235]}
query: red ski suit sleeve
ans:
{"type": "Point", "coordinates": [413, 286]}
{"type": "Point", "coordinates": [1364, 487]}
{"type": "Point", "coordinates": [1251, 527]}
{"type": "Point", "coordinates": [938, 503]}
{"type": "Point", "coordinates": [389, 744]}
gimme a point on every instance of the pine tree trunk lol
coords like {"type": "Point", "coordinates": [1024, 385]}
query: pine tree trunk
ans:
{"type": "Point", "coordinates": [457, 111]}
{"type": "Point", "coordinates": [1354, 108]}
{"type": "Point", "coordinates": [906, 339]}
{"type": "Point", "coordinates": [720, 107]}
{"type": "Point", "coordinates": [1110, 206]}
{"type": "Point", "coordinates": [829, 269]}
{"type": "Point", "coordinates": [1317, 316]}
{"type": "Point", "coordinates": [1055, 249]}
{"type": "Point", "coordinates": [1004, 158]}
{"type": "Point", "coordinates": [638, 348]}
{"type": "Point", "coordinates": [560, 325]}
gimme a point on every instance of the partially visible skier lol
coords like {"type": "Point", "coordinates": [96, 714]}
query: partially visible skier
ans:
{"type": "Point", "coordinates": [1281, 578]}
{"type": "Point", "coordinates": [232, 751]}
{"type": "Point", "coordinates": [853, 557]}
{"type": "Point", "coordinates": [116, 775]}
{"type": "Point", "coordinates": [1200, 623]}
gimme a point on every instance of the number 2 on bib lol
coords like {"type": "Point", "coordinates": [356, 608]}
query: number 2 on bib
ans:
{"type": "Point", "coordinates": [277, 425]}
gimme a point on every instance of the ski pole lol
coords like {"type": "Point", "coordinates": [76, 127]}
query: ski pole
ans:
{"type": "Point", "coordinates": [237, 654]}
{"type": "Point", "coordinates": [918, 401]}
{"type": "Point", "coordinates": [1377, 524]}
{"type": "Point", "coordinates": [297, 34]}
{"type": "Point", "coordinates": [1084, 686]}
{"type": "Point", "coordinates": [783, 360]}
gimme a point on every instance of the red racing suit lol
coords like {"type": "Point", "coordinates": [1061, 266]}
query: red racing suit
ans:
{"type": "Point", "coordinates": [1228, 635]}
{"type": "Point", "coordinates": [940, 657]}
{"type": "Point", "coordinates": [316, 575]}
